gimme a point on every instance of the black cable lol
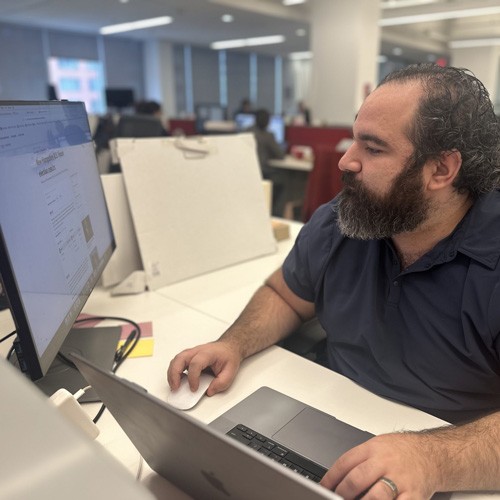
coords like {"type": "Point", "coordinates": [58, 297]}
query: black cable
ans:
{"type": "Point", "coordinates": [12, 349]}
{"type": "Point", "coordinates": [135, 335]}
{"type": "Point", "coordinates": [9, 335]}
{"type": "Point", "coordinates": [99, 414]}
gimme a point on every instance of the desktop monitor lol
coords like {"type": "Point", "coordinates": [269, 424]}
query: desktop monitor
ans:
{"type": "Point", "coordinates": [244, 121]}
{"type": "Point", "coordinates": [277, 128]}
{"type": "Point", "coordinates": [120, 98]}
{"type": "Point", "coordinates": [208, 113]}
{"type": "Point", "coordinates": [276, 125]}
{"type": "Point", "coordinates": [55, 231]}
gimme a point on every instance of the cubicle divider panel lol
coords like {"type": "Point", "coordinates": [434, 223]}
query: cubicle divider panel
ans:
{"type": "Point", "coordinates": [197, 204]}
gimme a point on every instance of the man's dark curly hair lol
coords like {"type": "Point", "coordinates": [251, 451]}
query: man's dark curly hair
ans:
{"type": "Point", "coordinates": [455, 113]}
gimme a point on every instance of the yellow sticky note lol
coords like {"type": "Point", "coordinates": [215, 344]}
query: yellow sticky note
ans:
{"type": "Point", "coordinates": [143, 348]}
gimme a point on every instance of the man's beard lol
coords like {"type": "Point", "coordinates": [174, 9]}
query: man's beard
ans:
{"type": "Point", "coordinates": [365, 215]}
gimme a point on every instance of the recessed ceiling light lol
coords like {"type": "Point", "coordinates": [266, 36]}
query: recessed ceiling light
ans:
{"type": "Point", "coordinates": [301, 32]}
{"type": "Point", "coordinates": [397, 51]}
{"type": "Point", "coordinates": [227, 18]}
{"type": "Point", "coordinates": [439, 16]}
{"type": "Point", "coordinates": [481, 42]}
{"type": "Point", "coordinates": [247, 42]}
{"type": "Point", "coordinates": [124, 1]}
{"type": "Point", "coordinates": [135, 25]}
{"type": "Point", "coordinates": [293, 2]}
{"type": "Point", "coordinates": [382, 59]}
{"type": "Point", "coordinates": [395, 4]}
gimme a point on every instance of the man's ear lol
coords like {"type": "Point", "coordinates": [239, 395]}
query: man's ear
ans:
{"type": "Point", "coordinates": [444, 169]}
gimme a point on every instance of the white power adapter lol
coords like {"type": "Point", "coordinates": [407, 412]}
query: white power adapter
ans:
{"type": "Point", "coordinates": [68, 404]}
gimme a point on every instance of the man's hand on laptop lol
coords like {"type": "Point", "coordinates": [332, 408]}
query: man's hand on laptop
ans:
{"type": "Point", "coordinates": [386, 467]}
{"type": "Point", "coordinates": [416, 465]}
{"type": "Point", "coordinates": [218, 356]}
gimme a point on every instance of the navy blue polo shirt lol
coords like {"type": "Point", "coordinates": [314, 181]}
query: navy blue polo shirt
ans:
{"type": "Point", "coordinates": [427, 336]}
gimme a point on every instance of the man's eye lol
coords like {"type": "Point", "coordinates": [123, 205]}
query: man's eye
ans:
{"type": "Point", "coordinates": [373, 151]}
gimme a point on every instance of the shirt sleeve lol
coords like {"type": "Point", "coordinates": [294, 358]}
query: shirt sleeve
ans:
{"type": "Point", "coordinates": [304, 265]}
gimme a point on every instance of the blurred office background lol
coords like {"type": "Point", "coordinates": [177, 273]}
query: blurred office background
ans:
{"type": "Point", "coordinates": [310, 63]}
{"type": "Point", "coordinates": [59, 43]}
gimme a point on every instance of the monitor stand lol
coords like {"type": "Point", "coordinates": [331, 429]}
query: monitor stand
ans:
{"type": "Point", "coordinates": [97, 344]}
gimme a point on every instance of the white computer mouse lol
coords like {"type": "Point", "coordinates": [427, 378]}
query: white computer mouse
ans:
{"type": "Point", "coordinates": [183, 398]}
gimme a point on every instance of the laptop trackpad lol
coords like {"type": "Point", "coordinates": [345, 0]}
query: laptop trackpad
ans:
{"type": "Point", "coordinates": [319, 436]}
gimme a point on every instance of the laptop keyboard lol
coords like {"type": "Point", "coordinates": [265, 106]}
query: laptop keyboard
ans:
{"type": "Point", "coordinates": [278, 453]}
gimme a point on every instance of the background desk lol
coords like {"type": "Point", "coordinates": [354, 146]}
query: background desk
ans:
{"type": "Point", "coordinates": [292, 173]}
{"type": "Point", "coordinates": [198, 311]}
{"type": "Point", "coordinates": [289, 162]}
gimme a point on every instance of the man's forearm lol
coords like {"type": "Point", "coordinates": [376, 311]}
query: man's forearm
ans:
{"type": "Point", "coordinates": [268, 318]}
{"type": "Point", "coordinates": [468, 456]}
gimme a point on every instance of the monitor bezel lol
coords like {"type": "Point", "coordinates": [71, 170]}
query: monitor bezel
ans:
{"type": "Point", "coordinates": [30, 362]}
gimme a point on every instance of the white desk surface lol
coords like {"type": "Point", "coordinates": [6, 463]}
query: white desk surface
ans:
{"type": "Point", "coordinates": [291, 163]}
{"type": "Point", "coordinates": [198, 311]}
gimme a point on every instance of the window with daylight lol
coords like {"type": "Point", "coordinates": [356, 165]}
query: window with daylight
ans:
{"type": "Point", "coordinates": [78, 80]}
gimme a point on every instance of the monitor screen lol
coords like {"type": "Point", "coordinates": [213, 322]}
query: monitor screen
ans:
{"type": "Point", "coordinates": [120, 98]}
{"type": "Point", "coordinates": [276, 125]}
{"type": "Point", "coordinates": [277, 128]}
{"type": "Point", "coordinates": [244, 121]}
{"type": "Point", "coordinates": [208, 113]}
{"type": "Point", "coordinates": [55, 231]}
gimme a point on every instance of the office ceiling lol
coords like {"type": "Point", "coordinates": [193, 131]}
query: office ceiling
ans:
{"type": "Point", "coordinates": [199, 21]}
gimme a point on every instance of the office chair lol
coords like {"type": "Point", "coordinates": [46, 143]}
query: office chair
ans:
{"type": "Point", "coordinates": [139, 126]}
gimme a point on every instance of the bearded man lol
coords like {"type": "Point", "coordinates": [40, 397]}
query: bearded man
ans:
{"type": "Point", "coordinates": [402, 270]}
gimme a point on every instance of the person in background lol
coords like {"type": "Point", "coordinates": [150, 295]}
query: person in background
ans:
{"type": "Point", "coordinates": [402, 269]}
{"type": "Point", "coordinates": [268, 149]}
{"type": "Point", "coordinates": [151, 108]}
{"type": "Point", "coordinates": [304, 112]}
{"type": "Point", "coordinates": [245, 107]}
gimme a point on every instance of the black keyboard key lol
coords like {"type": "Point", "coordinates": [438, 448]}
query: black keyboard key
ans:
{"type": "Point", "coordinates": [296, 468]}
{"type": "Point", "coordinates": [238, 436]}
{"type": "Point", "coordinates": [280, 451]}
{"type": "Point", "coordinates": [307, 474]}
{"type": "Point", "coordinates": [264, 452]}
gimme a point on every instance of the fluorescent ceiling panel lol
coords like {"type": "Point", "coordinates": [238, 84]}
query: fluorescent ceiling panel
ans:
{"type": "Point", "coordinates": [439, 16]}
{"type": "Point", "coordinates": [482, 42]}
{"type": "Point", "coordinates": [247, 42]}
{"type": "Point", "coordinates": [135, 25]}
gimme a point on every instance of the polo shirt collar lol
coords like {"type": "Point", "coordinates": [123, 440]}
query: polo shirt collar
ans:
{"type": "Point", "coordinates": [479, 234]}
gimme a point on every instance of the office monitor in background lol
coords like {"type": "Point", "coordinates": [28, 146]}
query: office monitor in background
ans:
{"type": "Point", "coordinates": [120, 98]}
{"type": "Point", "coordinates": [276, 125]}
{"type": "Point", "coordinates": [55, 234]}
{"type": "Point", "coordinates": [209, 113]}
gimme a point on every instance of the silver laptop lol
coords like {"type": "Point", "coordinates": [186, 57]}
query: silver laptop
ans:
{"type": "Point", "coordinates": [196, 458]}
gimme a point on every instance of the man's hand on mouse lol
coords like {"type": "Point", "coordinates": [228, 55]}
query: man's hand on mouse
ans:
{"type": "Point", "coordinates": [223, 360]}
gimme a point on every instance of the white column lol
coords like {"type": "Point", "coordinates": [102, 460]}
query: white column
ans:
{"type": "Point", "coordinates": [159, 74]}
{"type": "Point", "coordinates": [345, 39]}
{"type": "Point", "coordinates": [484, 62]}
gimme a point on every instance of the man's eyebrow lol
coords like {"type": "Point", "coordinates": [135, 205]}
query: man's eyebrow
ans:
{"type": "Point", "coordinates": [373, 138]}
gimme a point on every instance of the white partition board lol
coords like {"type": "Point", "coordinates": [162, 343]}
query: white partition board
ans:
{"type": "Point", "coordinates": [197, 204]}
{"type": "Point", "coordinates": [126, 258]}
